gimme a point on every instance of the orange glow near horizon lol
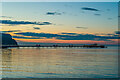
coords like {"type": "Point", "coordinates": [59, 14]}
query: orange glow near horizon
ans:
{"type": "Point", "coordinates": [53, 40]}
{"type": "Point", "coordinates": [66, 41]}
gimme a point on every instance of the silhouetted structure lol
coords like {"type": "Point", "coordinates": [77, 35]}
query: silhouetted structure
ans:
{"type": "Point", "coordinates": [55, 46]}
{"type": "Point", "coordinates": [94, 46]}
{"type": "Point", "coordinates": [7, 40]}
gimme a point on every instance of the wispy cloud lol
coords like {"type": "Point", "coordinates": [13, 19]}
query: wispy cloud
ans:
{"type": "Point", "coordinates": [82, 27]}
{"type": "Point", "coordinates": [89, 9]}
{"type": "Point", "coordinates": [109, 18]}
{"type": "Point", "coordinates": [11, 31]}
{"type": "Point", "coordinates": [6, 17]}
{"type": "Point", "coordinates": [11, 22]}
{"type": "Point", "coordinates": [53, 13]}
{"type": "Point", "coordinates": [97, 14]}
{"type": "Point", "coordinates": [108, 9]}
{"type": "Point", "coordinates": [36, 27]}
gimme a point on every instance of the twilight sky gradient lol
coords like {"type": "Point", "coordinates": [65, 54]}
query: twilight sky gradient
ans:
{"type": "Point", "coordinates": [61, 22]}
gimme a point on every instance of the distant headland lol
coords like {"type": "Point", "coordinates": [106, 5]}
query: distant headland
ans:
{"type": "Point", "coordinates": [7, 40]}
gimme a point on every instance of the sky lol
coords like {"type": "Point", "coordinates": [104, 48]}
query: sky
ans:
{"type": "Point", "coordinates": [61, 22]}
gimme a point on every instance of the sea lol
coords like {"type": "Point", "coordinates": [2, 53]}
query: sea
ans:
{"type": "Point", "coordinates": [61, 62]}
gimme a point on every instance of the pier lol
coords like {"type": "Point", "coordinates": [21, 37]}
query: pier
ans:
{"type": "Point", "coordinates": [55, 46]}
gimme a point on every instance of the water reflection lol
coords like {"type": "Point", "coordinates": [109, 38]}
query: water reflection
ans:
{"type": "Point", "coordinates": [60, 63]}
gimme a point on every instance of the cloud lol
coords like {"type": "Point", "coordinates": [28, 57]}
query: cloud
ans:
{"type": "Point", "coordinates": [89, 9]}
{"type": "Point", "coordinates": [108, 9]}
{"type": "Point", "coordinates": [68, 36]}
{"type": "Point", "coordinates": [11, 31]}
{"type": "Point", "coordinates": [69, 33]}
{"type": "Point", "coordinates": [6, 17]}
{"type": "Point", "coordinates": [46, 35]}
{"type": "Point", "coordinates": [97, 14]}
{"type": "Point", "coordinates": [53, 13]}
{"type": "Point", "coordinates": [109, 18]}
{"type": "Point", "coordinates": [36, 27]}
{"type": "Point", "coordinates": [10, 22]}
{"type": "Point", "coordinates": [23, 37]}
{"type": "Point", "coordinates": [68, 5]}
{"type": "Point", "coordinates": [82, 27]}
{"type": "Point", "coordinates": [117, 32]}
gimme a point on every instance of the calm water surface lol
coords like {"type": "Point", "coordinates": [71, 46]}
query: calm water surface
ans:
{"type": "Point", "coordinates": [60, 63]}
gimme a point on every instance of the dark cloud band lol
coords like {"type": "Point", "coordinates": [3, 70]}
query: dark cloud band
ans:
{"type": "Point", "coordinates": [23, 22]}
{"type": "Point", "coordinates": [53, 13]}
{"type": "Point", "coordinates": [89, 9]}
{"type": "Point", "coordinates": [36, 27]}
{"type": "Point", "coordinates": [69, 36]}
{"type": "Point", "coordinates": [11, 31]}
{"type": "Point", "coordinates": [117, 32]}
